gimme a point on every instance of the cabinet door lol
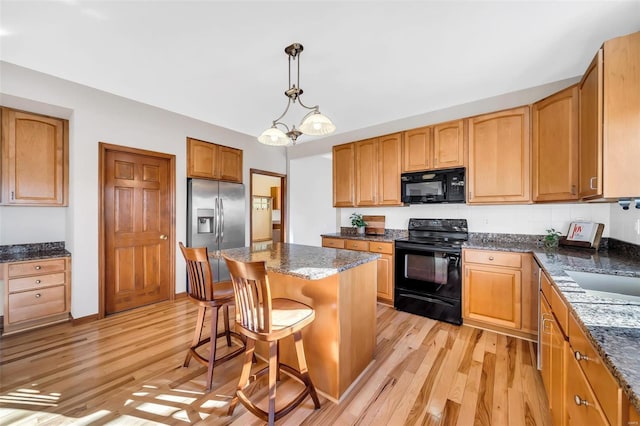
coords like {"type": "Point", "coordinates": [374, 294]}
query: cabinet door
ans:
{"type": "Point", "coordinates": [230, 164]}
{"type": "Point", "coordinates": [558, 349]}
{"type": "Point", "coordinates": [202, 159]}
{"type": "Point", "coordinates": [385, 278]}
{"type": "Point", "coordinates": [499, 149]}
{"type": "Point", "coordinates": [493, 295]}
{"type": "Point", "coordinates": [448, 145]}
{"type": "Point", "coordinates": [546, 317]}
{"type": "Point", "coordinates": [366, 172]}
{"type": "Point", "coordinates": [35, 159]}
{"type": "Point", "coordinates": [621, 116]}
{"type": "Point", "coordinates": [590, 130]}
{"type": "Point", "coordinates": [343, 175]}
{"type": "Point", "coordinates": [417, 149]}
{"type": "Point", "coordinates": [582, 407]}
{"type": "Point", "coordinates": [389, 165]}
{"type": "Point", "coordinates": [555, 147]}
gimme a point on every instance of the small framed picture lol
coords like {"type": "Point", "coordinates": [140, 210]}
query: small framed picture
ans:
{"type": "Point", "coordinates": [583, 234]}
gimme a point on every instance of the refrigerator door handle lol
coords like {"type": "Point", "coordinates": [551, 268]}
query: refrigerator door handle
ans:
{"type": "Point", "coordinates": [216, 228]}
{"type": "Point", "coordinates": [221, 221]}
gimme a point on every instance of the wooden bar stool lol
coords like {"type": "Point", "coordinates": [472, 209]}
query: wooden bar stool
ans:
{"type": "Point", "coordinates": [207, 295]}
{"type": "Point", "coordinates": [269, 320]}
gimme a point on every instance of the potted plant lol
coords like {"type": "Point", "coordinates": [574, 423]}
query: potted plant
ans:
{"type": "Point", "coordinates": [552, 238]}
{"type": "Point", "coordinates": [357, 221]}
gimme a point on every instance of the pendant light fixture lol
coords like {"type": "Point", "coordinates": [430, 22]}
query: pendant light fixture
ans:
{"type": "Point", "coordinates": [314, 123]}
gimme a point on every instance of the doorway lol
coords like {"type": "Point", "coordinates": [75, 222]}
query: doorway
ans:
{"type": "Point", "coordinates": [136, 228]}
{"type": "Point", "coordinates": [267, 210]}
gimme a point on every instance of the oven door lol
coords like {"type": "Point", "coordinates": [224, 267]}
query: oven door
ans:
{"type": "Point", "coordinates": [427, 281]}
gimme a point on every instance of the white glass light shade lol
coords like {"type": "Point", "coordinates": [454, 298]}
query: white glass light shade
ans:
{"type": "Point", "coordinates": [274, 136]}
{"type": "Point", "coordinates": [317, 124]}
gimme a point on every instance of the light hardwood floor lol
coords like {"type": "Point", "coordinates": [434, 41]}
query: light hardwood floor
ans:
{"type": "Point", "coordinates": [127, 369]}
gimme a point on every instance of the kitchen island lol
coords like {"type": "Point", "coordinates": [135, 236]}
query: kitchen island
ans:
{"type": "Point", "coordinates": [341, 286]}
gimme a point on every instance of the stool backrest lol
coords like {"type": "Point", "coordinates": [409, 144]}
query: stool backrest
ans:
{"type": "Point", "coordinates": [198, 272]}
{"type": "Point", "coordinates": [252, 294]}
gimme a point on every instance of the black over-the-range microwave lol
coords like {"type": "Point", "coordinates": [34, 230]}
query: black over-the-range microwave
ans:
{"type": "Point", "coordinates": [434, 186]}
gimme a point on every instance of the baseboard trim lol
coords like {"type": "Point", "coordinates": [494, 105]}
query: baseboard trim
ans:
{"type": "Point", "coordinates": [84, 320]}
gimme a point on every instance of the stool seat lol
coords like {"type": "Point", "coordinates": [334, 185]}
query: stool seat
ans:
{"type": "Point", "coordinates": [261, 318]}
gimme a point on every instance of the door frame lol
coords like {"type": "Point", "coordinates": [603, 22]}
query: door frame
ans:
{"type": "Point", "coordinates": [102, 155]}
{"type": "Point", "coordinates": [283, 201]}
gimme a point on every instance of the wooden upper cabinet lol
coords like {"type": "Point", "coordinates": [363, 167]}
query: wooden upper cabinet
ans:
{"type": "Point", "coordinates": [343, 175]}
{"type": "Point", "coordinates": [555, 147]}
{"type": "Point", "coordinates": [366, 172]}
{"type": "Point", "coordinates": [590, 130]}
{"type": "Point", "coordinates": [621, 115]}
{"type": "Point", "coordinates": [389, 168]}
{"type": "Point", "coordinates": [35, 159]}
{"type": "Point", "coordinates": [417, 150]}
{"type": "Point", "coordinates": [211, 161]}
{"type": "Point", "coordinates": [448, 145]}
{"type": "Point", "coordinates": [499, 155]}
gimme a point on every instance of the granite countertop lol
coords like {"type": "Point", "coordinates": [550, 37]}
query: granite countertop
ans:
{"type": "Point", "coordinates": [389, 235]}
{"type": "Point", "coordinates": [612, 325]}
{"type": "Point", "coordinates": [306, 262]}
{"type": "Point", "coordinates": [26, 252]}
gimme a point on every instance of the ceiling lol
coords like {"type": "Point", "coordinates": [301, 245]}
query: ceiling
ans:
{"type": "Point", "coordinates": [364, 63]}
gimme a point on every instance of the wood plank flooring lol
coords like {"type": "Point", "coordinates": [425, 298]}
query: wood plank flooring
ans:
{"type": "Point", "coordinates": [127, 369]}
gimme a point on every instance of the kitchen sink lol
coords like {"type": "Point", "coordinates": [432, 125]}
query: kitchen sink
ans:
{"type": "Point", "coordinates": [611, 286]}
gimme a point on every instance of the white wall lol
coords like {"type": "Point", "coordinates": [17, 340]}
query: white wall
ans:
{"type": "Point", "coordinates": [94, 117]}
{"type": "Point", "coordinates": [311, 194]}
{"type": "Point", "coordinates": [625, 224]}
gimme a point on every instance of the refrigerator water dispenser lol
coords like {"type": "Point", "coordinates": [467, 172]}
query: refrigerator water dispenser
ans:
{"type": "Point", "coordinates": [205, 221]}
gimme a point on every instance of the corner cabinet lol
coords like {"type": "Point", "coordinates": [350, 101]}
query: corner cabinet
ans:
{"type": "Point", "coordinates": [211, 161]}
{"type": "Point", "coordinates": [609, 126]}
{"type": "Point", "coordinates": [497, 292]}
{"type": "Point", "coordinates": [555, 147]}
{"type": "Point", "coordinates": [35, 159]}
{"type": "Point", "coordinates": [37, 293]}
{"type": "Point", "coordinates": [499, 157]}
{"type": "Point", "coordinates": [384, 264]}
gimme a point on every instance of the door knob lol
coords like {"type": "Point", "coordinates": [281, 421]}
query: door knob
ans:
{"type": "Point", "coordinates": [163, 237]}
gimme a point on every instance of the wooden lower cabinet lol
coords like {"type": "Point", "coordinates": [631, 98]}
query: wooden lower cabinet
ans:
{"type": "Point", "coordinates": [384, 264]}
{"type": "Point", "coordinates": [497, 292]}
{"type": "Point", "coordinates": [582, 406]}
{"type": "Point", "coordinates": [553, 349]}
{"type": "Point", "coordinates": [37, 293]}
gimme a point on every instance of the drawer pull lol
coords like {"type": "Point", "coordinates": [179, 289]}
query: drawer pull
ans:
{"type": "Point", "coordinates": [38, 295]}
{"type": "Point", "coordinates": [580, 357]}
{"type": "Point", "coordinates": [579, 401]}
{"type": "Point", "coordinates": [38, 267]}
{"type": "Point", "coordinates": [490, 257]}
{"type": "Point", "coordinates": [38, 281]}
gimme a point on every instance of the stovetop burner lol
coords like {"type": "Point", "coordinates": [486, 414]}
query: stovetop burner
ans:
{"type": "Point", "coordinates": [437, 232]}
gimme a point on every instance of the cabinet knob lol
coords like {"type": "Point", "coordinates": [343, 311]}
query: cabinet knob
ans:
{"type": "Point", "coordinates": [38, 295]}
{"type": "Point", "coordinates": [490, 257]}
{"type": "Point", "coordinates": [579, 401]}
{"type": "Point", "coordinates": [38, 281]}
{"type": "Point", "coordinates": [580, 357]}
{"type": "Point", "coordinates": [38, 267]}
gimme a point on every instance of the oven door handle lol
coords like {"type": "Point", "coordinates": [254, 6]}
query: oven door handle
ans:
{"type": "Point", "coordinates": [427, 299]}
{"type": "Point", "coordinates": [426, 248]}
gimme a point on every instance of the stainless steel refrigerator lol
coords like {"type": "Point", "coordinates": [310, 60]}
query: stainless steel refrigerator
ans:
{"type": "Point", "coordinates": [216, 219]}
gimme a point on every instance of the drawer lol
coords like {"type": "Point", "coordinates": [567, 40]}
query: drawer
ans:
{"type": "Point", "coordinates": [30, 305]}
{"type": "Point", "coordinates": [560, 310]}
{"type": "Point", "coordinates": [333, 243]}
{"type": "Point", "coordinates": [580, 403]}
{"type": "Point", "coordinates": [497, 258]}
{"type": "Point", "coordinates": [36, 267]}
{"type": "Point", "coordinates": [604, 386]}
{"type": "Point", "coordinates": [356, 245]}
{"type": "Point", "coordinates": [545, 285]}
{"type": "Point", "coordinates": [35, 282]}
{"type": "Point", "coordinates": [378, 247]}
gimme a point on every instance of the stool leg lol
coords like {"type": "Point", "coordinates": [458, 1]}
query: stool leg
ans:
{"type": "Point", "coordinates": [244, 375]}
{"type": "Point", "coordinates": [226, 325]}
{"type": "Point", "coordinates": [273, 374]}
{"type": "Point", "coordinates": [213, 346]}
{"type": "Point", "coordinates": [197, 334]}
{"type": "Point", "coordinates": [302, 363]}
